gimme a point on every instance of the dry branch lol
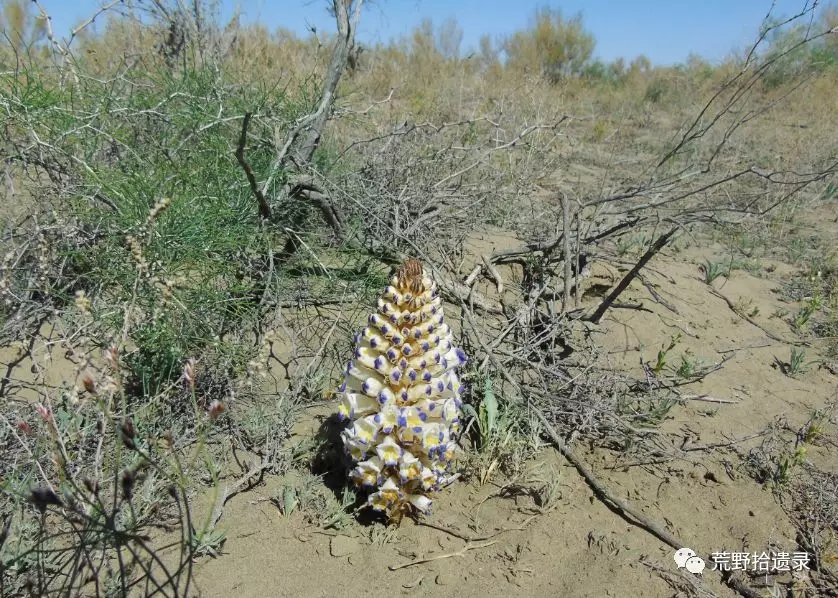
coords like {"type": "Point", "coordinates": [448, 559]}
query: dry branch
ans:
{"type": "Point", "coordinates": [296, 153]}
{"type": "Point", "coordinates": [439, 557]}
{"type": "Point", "coordinates": [659, 244]}
{"type": "Point", "coordinates": [264, 207]}
{"type": "Point", "coordinates": [231, 491]}
{"type": "Point", "coordinates": [567, 263]}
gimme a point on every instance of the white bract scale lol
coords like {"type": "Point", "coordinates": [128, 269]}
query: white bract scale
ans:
{"type": "Point", "coordinates": [401, 397]}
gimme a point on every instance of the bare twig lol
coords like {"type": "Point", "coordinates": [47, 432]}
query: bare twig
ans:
{"type": "Point", "coordinates": [264, 208]}
{"type": "Point", "coordinates": [439, 557]}
{"type": "Point", "coordinates": [659, 243]}
{"type": "Point", "coordinates": [467, 538]}
{"type": "Point", "coordinates": [567, 264]}
{"type": "Point", "coordinates": [231, 491]}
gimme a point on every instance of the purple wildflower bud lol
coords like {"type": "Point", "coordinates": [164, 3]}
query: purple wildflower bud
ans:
{"type": "Point", "coordinates": [450, 386]}
{"type": "Point", "coordinates": [432, 406]}
{"type": "Point", "coordinates": [433, 309]}
{"type": "Point", "coordinates": [426, 376]}
{"type": "Point", "coordinates": [430, 328]}
{"type": "Point", "coordinates": [423, 416]}
{"type": "Point", "coordinates": [377, 418]}
{"type": "Point", "coordinates": [392, 354]}
{"type": "Point", "coordinates": [397, 340]}
{"type": "Point", "coordinates": [373, 343]}
{"type": "Point", "coordinates": [440, 386]}
{"type": "Point", "coordinates": [365, 387]}
{"type": "Point", "coordinates": [384, 328]}
{"type": "Point", "coordinates": [342, 387]}
{"type": "Point", "coordinates": [404, 395]}
{"type": "Point", "coordinates": [461, 355]}
{"type": "Point", "coordinates": [384, 308]}
{"type": "Point", "coordinates": [406, 350]}
{"type": "Point", "coordinates": [423, 364]}
{"type": "Point", "coordinates": [387, 429]}
{"type": "Point", "coordinates": [378, 363]}
{"type": "Point", "coordinates": [394, 319]}
{"type": "Point", "coordinates": [412, 375]}
{"type": "Point", "coordinates": [417, 334]}
{"type": "Point", "coordinates": [417, 429]}
{"type": "Point", "coordinates": [425, 346]}
{"type": "Point", "coordinates": [429, 391]}
{"type": "Point", "coordinates": [403, 363]}
{"type": "Point", "coordinates": [402, 420]}
{"type": "Point", "coordinates": [396, 375]}
{"type": "Point", "coordinates": [382, 398]}
{"type": "Point", "coordinates": [371, 319]}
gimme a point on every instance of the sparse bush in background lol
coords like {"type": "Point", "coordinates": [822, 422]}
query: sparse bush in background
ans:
{"type": "Point", "coordinates": [554, 47]}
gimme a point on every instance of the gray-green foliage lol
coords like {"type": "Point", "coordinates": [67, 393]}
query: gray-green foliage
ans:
{"type": "Point", "coordinates": [196, 270]}
{"type": "Point", "coordinates": [554, 46]}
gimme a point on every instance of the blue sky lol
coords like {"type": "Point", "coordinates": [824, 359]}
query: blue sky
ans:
{"type": "Point", "coordinates": [665, 31]}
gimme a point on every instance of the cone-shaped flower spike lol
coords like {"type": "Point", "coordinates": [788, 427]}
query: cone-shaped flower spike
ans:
{"type": "Point", "coordinates": [401, 397]}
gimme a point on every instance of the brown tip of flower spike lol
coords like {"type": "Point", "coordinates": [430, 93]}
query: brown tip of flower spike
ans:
{"type": "Point", "coordinates": [410, 276]}
{"type": "Point", "coordinates": [401, 395]}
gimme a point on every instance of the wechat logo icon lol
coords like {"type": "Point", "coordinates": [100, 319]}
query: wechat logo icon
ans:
{"type": "Point", "coordinates": [686, 558]}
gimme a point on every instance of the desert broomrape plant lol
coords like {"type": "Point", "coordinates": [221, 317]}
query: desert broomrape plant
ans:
{"type": "Point", "coordinates": [401, 396]}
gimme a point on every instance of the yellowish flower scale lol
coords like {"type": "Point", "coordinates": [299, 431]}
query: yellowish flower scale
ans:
{"type": "Point", "coordinates": [401, 397]}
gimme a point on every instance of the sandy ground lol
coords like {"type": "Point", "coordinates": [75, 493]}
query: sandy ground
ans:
{"type": "Point", "coordinates": [505, 545]}
{"type": "Point", "coordinates": [577, 547]}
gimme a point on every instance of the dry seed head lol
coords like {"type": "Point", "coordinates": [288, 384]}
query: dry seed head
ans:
{"type": "Point", "coordinates": [189, 373]}
{"type": "Point", "coordinates": [137, 253]}
{"type": "Point", "coordinates": [129, 434]}
{"type": "Point", "coordinates": [44, 412]}
{"type": "Point", "coordinates": [216, 408]}
{"type": "Point", "coordinates": [112, 356]}
{"type": "Point", "coordinates": [159, 207]}
{"type": "Point", "coordinates": [82, 301]}
{"type": "Point", "coordinates": [89, 383]}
